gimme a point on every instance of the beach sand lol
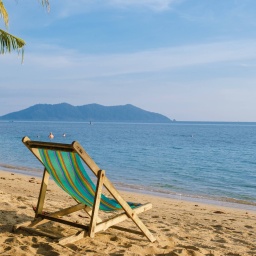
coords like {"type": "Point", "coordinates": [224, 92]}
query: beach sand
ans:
{"type": "Point", "coordinates": [181, 227]}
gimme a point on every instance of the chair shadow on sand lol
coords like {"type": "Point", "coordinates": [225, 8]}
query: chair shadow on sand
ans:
{"type": "Point", "coordinates": [21, 239]}
{"type": "Point", "coordinates": [26, 242]}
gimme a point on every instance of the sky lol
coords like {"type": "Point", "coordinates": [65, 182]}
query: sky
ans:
{"type": "Point", "coordinates": [190, 60]}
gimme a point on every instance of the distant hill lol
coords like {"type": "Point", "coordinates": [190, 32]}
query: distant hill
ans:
{"type": "Point", "coordinates": [86, 113]}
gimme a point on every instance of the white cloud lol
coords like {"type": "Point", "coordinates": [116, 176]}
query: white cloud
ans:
{"type": "Point", "coordinates": [66, 8]}
{"type": "Point", "coordinates": [156, 60]}
{"type": "Point", "coordinates": [69, 63]}
{"type": "Point", "coordinates": [60, 64]}
{"type": "Point", "coordinates": [158, 5]}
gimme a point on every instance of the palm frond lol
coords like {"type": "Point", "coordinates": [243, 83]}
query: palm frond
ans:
{"type": "Point", "coordinates": [46, 4]}
{"type": "Point", "coordinates": [9, 43]}
{"type": "Point", "coordinates": [3, 13]}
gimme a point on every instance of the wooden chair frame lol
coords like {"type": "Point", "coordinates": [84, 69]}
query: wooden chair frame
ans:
{"type": "Point", "coordinates": [96, 224]}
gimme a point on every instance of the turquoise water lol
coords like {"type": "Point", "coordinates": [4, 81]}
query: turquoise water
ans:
{"type": "Point", "coordinates": [212, 161]}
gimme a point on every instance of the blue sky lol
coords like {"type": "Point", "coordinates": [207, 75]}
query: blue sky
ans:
{"type": "Point", "coordinates": [191, 60]}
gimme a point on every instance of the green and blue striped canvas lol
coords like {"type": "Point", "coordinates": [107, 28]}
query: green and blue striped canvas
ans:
{"type": "Point", "coordinates": [67, 170]}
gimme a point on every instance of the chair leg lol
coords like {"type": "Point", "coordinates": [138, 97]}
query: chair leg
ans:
{"type": "Point", "coordinates": [42, 193]}
{"type": "Point", "coordinates": [129, 211]}
{"type": "Point", "coordinates": [96, 204]}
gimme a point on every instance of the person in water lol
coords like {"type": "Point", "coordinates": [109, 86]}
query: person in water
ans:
{"type": "Point", "coordinates": [51, 136]}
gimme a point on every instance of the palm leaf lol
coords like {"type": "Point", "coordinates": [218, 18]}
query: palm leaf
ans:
{"type": "Point", "coordinates": [3, 13]}
{"type": "Point", "coordinates": [9, 43]}
{"type": "Point", "coordinates": [46, 3]}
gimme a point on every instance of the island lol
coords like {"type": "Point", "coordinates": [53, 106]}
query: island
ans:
{"type": "Point", "coordinates": [86, 113]}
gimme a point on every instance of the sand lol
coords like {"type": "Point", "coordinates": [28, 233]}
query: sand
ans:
{"type": "Point", "coordinates": [181, 227]}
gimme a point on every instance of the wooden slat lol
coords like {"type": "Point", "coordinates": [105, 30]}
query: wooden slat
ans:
{"type": "Point", "coordinates": [128, 210]}
{"type": "Point", "coordinates": [47, 145]}
{"type": "Point", "coordinates": [25, 141]}
{"type": "Point", "coordinates": [72, 238]}
{"type": "Point", "coordinates": [96, 204]}
{"type": "Point", "coordinates": [86, 158]}
{"type": "Point", "coordinates": [66, 222]}
{"type": "Point", "coordinates": [24, 224]}
{"type": "Point", "coordinates": [120, 218]}
{"type": "Point", "coordinates": [42, 192]}
{"type": "Point", "coordinates": [40, 221]}
{"type": "Point", "coordinates": [68, 210]}
{"type": "Point", "coordinates": [88, 210]}
{"type": "Point", "coordinates": [40, 232]}
{"type": "Point", "coordinates": [63, 212]}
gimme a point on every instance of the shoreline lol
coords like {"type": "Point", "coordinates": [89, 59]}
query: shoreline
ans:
{"type": "Point", "coordinates": [181, 228]}
{"type": "Point", "coordinates": [228, 202]}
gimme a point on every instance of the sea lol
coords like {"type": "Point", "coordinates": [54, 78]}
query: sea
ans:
{"type": "Point", "coordinates": [209, 162]}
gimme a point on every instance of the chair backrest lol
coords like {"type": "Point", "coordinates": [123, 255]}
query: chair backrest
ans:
{"type": "Point", "coordinates": [68, 172]}
{"type": "Point", "coordinates": [65, 167]}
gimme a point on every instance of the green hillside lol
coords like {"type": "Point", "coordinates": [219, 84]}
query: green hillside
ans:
{"type": "Point", "coordinates": [86, 113]}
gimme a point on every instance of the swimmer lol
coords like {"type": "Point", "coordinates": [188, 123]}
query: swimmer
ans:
{"type": "Point", "coordinates": [51, 136]}
{"type": "Point", "coordinates": [64, 134]}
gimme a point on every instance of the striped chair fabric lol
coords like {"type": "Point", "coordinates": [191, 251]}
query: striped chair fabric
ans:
{"type": "Point", "coordinates": [67, 170]}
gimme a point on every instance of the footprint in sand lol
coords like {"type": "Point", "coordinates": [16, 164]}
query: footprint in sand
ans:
{"type": "Point", "coordinates": [115, 238]}
{"type": "Point", "coordinates": [22, 207]}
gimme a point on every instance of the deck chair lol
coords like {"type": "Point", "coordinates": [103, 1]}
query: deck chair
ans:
{"type": "Point", "coordinates": [64, 164]}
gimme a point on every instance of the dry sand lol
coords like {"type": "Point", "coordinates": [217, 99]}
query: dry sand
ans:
{"type": "Point", "coordinates": [181, 228]}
